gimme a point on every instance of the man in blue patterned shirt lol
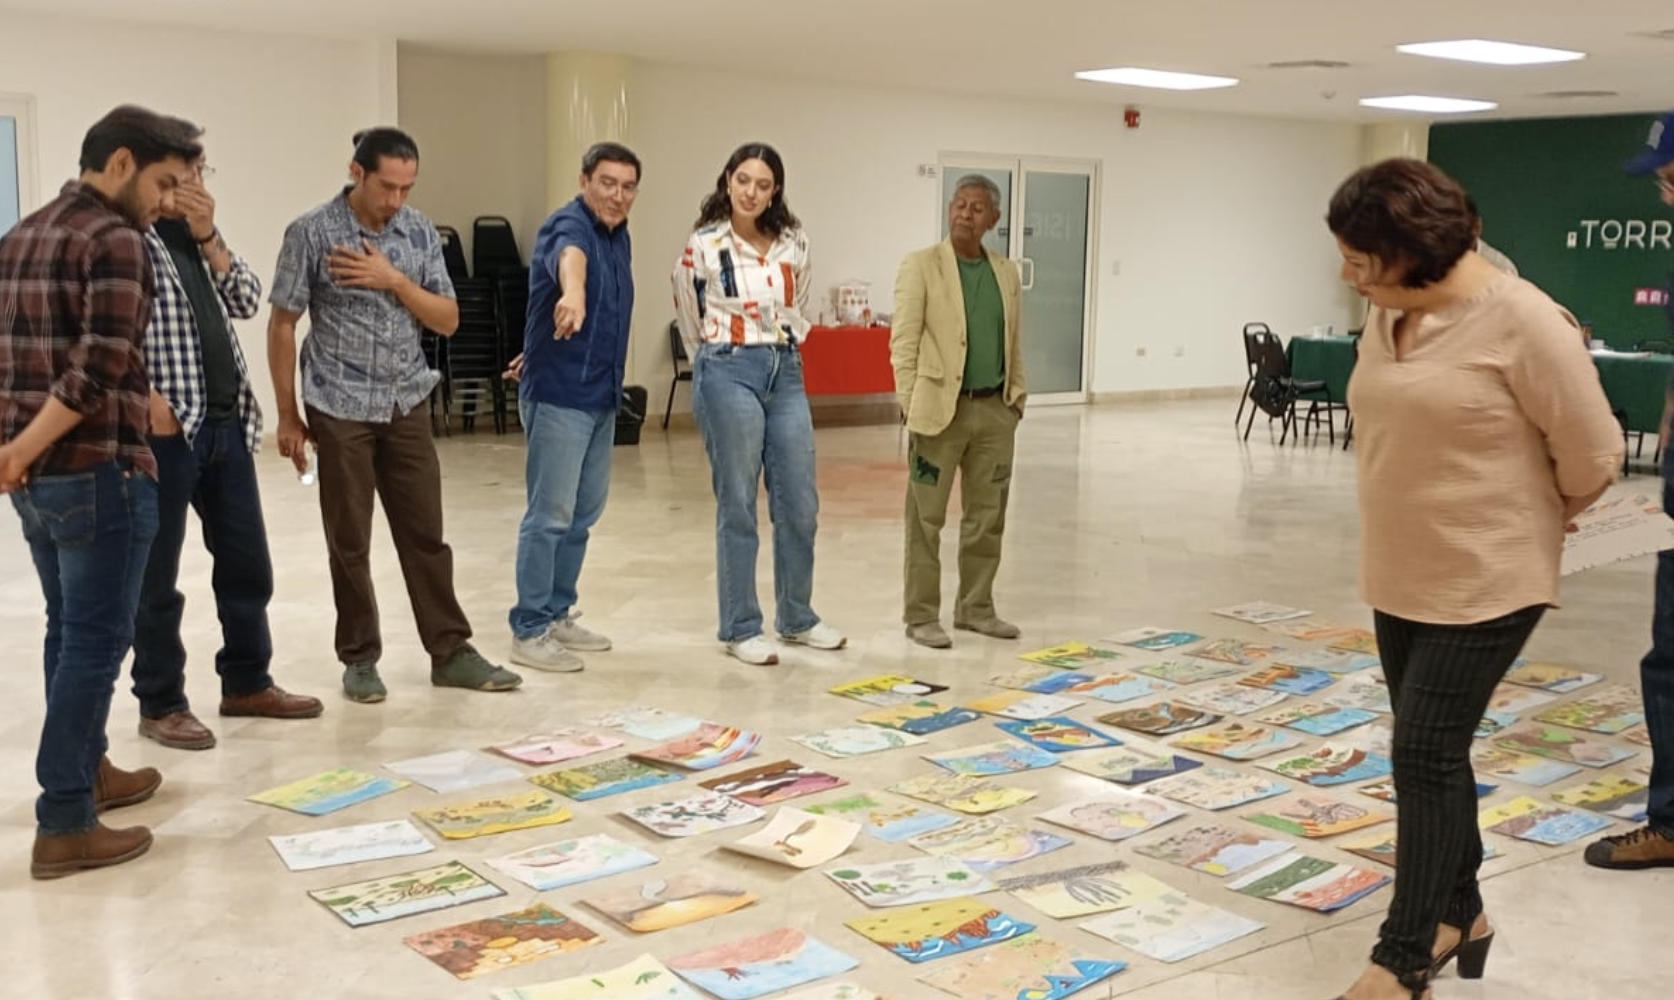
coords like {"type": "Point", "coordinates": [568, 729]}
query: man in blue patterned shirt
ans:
{"type": "Point", "coordinates": [367, 267]}
{"type": "Point", "coordinates": [205, 427]}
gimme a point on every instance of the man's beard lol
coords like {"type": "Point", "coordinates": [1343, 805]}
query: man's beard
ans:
{"type": "Point", "coordinates": [129, 204]}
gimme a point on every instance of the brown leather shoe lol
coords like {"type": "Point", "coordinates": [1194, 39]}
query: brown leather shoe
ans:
{"type": "Point", "coordinates": [274, 703]}
{"type": "Point", "coordinates": [114, 788]}
{"type": "Point", "coordinates": [60, 854]}
{"type": "Point", "coordinates": [178, 730]}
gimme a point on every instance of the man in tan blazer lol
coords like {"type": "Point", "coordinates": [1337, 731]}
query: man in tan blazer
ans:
{"type": "Point", "coordinates": [959, 376]}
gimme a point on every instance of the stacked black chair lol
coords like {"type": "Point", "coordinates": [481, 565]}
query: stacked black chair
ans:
{"type": "Point", "coordinates": [474, 360]}
{"type": "Point", "coordinates": [511, 292]}
{"type": "Point", "coordinates": [453, 253]}
{"type": "Point", "coordinates": [493, 246]}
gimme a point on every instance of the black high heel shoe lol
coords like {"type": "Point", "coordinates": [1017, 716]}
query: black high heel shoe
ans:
{"type": "Point", "coordinates": [1472, 955]}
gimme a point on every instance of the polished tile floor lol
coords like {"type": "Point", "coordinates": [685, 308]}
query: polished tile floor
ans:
{"type": "Point", "coordinates": [1122, 515]}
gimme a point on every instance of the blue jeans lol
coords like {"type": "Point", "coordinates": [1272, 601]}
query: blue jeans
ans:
{"type": "Point", "coordinates": [88, 533]}
{"type": "Point", "coordinates": [214, 475]}
{"type": "Point", "coordinates": [753, 412]}
{"type": "Point", "coordinates": [568, 477]}
{"type": "Point", "coordinates": [1656, 679]}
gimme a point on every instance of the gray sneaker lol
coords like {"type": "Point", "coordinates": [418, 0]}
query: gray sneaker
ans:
{"type": "Point", "coordinates": [573, 636]}
{"type": "Point", "coordinates": [545, 652]}
{"type": "Point", "coordinates": [466, 668]}
{"type": "Point", "coordinates": [361, 683]}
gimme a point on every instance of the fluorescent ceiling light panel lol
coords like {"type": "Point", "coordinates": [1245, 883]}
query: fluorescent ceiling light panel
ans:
{"type": "Point", "coordinates": [1130, 76]}
{"type": "Point", "coordinates": [1481, 50]}
{"type": "Point", "coordinates": [1433, 105]}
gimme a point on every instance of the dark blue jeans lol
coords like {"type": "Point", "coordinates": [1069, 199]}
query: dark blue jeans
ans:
{"type": "Point", "coordinates": [88, 534]}
{"type": "Point", "coordinates": [215, 476]}
{"type": "Point", "coordinates": [1656, 679]}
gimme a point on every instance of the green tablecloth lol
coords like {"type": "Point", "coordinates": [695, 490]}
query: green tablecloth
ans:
{"type": "Point", "coordinates": [1327, 359]}
{"type": "Point", "coordinates": [1636, 386]}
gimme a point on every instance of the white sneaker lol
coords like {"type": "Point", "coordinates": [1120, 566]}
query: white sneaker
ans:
{"type": "Point", "coordinates": [821, 636]}
{"type": "Point", "coordinates": [755, 650]}
{"type": "Point", "coordinates": [573, 636]}
{"type": "Point", "coordinates": [543, 652]}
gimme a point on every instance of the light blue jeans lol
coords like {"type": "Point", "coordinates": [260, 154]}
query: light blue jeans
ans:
{"type": "Point", "coordinates": [753, 412]}
{"type": "Point", "coordinates": [567, 473]}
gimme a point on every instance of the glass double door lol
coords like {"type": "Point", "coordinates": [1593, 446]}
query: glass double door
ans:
{"type": "Point", "coordinates": [1053, 250]}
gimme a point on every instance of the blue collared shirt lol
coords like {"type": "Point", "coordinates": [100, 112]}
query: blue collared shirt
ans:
{"type": "Point", "coordinates": [584, 372]}
{"type": "Point", "coordinates": [362, 359]}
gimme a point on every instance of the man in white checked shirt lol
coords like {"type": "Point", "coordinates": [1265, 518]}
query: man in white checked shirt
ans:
{"type": "Point", "coordinates": [205, 428]}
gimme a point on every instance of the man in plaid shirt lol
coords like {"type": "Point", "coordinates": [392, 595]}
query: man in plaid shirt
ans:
{"type": "Point", "coordinates": [205, 428]}
{"type": "Point", "coordinates": [75, 298]}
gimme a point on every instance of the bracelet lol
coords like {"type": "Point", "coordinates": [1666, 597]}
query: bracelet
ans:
{"type": "Point", "coordinates": [210, 238]}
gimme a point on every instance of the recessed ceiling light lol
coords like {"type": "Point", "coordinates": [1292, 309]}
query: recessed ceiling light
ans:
{"type": "Point", "coordinates": [1130, 76]}
{"type": "Point", "coordinates": [1309, 64]}
{"type": "Point", "coordinates": [1433, 105]}
{"type": "Point", "coordinates": [1480, 50]}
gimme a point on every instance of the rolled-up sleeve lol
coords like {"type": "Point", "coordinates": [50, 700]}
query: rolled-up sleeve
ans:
{"type": "Point", "coordinates": [240, 288]}
{"type": "Point", "coordinates": [292, 276]}
{"type": "Point", "coordinates": [116, 308]}
{"type": "Point", "coordinates": [1557, 386]}
{"type": "Point", "coordinates": [689, 285]}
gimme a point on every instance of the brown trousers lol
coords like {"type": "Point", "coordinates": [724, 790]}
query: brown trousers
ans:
{"type": "Point", "coordinates": [397, 461]}
{"type": "Point", "coordinates": [978, 444]}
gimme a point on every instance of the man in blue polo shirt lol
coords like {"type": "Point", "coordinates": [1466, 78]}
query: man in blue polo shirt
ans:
{"type": "Point", "coordinates": [575, 352]}
{"type": "Point", "coordinates": [1652, 845]}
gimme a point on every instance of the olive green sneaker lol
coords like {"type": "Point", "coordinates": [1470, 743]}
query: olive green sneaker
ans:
{"type": "Point", "coordinates": [361, 683]}
{"type": "Point", "coordinates": [466, 668]}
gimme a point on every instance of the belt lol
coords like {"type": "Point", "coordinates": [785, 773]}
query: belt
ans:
{"type": "Point", "coordinates": [981, 393]}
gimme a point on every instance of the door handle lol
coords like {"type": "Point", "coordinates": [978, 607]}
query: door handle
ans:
{"type": "Point", "coordinates": [1026, 272]}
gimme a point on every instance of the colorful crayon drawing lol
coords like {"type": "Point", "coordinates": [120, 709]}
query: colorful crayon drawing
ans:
{"type": "Point", "coordinates": [1073, 892]}
{"type": "Point", "coordinates": [567, 862]}
{"type": "Point", "coordinates": [1073, 656]}
{"type": "Point", "coordinates": [1239, 741]}
{"type": "Point", "coordinates": [937, 930]}
{"type": "Point", "coordinates": [1290, 680]}
{"type": "Point", "coordinates": [887, 689]}
{"type": "Point", "coordinates": [1115, 815]}
{"type": "Point", "coordinates": [1239, 651]}
{"type": "Point", "coordinates": [1521, 767]}
{"type": "Point", "coordinates": [1317, 718]}
{"type": "Point", "coordinates": [987, 843]}
{"type": "Point", "coordinates": [963, 792]}
{"type": "Point", "coordinates": [1331, 764]}
{"type": "Point", "coordinates": [705, 812]}
{"type": "Point", "coordinates": [708, 746]}
{"type": "Point", "coordinates": [1154, 638]}
{"type": "Point", "coordinates": [741, 970]}
{"type": "Point", "coordinates": [1610, 710]}
{"type": "Point", "coordinates": [606, 777]}
{"type": "Point", "coordinates": [502, 814]}
{"type": "Point", "coordinates": [645, 978]}
{"type": "Point", "coordinates": [393, 896]}
{"type": "Point", "coordinates": [1527, 819]}
{"type": "Point", "coordinates": [1023, 705]}
{"type": "Point", "coordinates": [681, 898]}
{"type": "Point", "coordinates": [1187, 670]}
{"type": "Point", "coordinates": [1217, 788]}
{"type": "Point", "coordinates": [1162, 719]}
{"type": "Point", "coordinates": [350, 845]}
{"type": "Point", "coordinates": [488, 945]}
{"type": "Point", "coordinates": [888, 822]}
{"type": "Point", "coordinates": [1313, 817]}
{"type": "Point", "coordinates": [647, 723]}
{"type": "Point", "coordinates": [919, 717]}
{"type": "Point", "coordinates": [1214, 849]}
{"type": "Point", "coordinates": [855, 740]}
{"type": "Point", "coordinates": [1130, 764]}
{"type": "Point", "coordinates": [909, 881]}
{"type": "Point", "coordinates": [1557, 744]}
{"type": "Point", "coordinates": [1311, 883]}
{"type": "Point", "coordinates": [999, 757]}
{"type": "Point", "coordinates": [1058, 734]}
{"type": "Point", "coordinates": [1030, 967]}
{"type": "Point", "coordinates": [773, 783]}
{"type": "Point", "coordinates": [1550, 677]}
{"type": "Point", "coordinates": [556, 746]}
{"type": "Point", "coordinates": [799, 839]}
{"type": "Point", "coordinates": [1610, 793]}
{"type": "Point", "coordinates": [328, 791]}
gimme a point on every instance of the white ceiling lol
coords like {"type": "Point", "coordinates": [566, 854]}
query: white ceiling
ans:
{"type": "Point", "coordinates": [1026, 49]}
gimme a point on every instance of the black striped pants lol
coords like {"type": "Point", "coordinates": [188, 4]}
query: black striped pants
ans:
{"type": "Point", "coordinates": [1441, 678]}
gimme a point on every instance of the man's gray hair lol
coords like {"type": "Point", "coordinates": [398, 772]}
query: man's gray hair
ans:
{"type": "Point", "coordinates": [979, 181]}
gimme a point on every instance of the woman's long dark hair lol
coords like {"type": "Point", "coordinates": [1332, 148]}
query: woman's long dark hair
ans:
{"type": "Point", "coordinates": [717, 207]}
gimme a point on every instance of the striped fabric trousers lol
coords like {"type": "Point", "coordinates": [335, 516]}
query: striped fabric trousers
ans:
{"type": "Point", "coordinates": [1441, 678]}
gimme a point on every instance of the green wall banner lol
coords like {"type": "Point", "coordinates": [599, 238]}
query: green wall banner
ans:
{"type": "Point", "coordinates": [1554, 197]}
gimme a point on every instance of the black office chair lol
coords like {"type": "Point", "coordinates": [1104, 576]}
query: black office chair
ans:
{"type": "Point", "coordinates": [1276, 393]}
{"type": "Point", "coordinates": [677, 351]}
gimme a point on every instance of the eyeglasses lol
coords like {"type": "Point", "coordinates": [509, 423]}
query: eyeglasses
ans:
{"type": "Point", "coordinates": [205, 171]}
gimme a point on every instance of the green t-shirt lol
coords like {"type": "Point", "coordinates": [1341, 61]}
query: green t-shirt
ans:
{"type": "Point", "coordinates": [985, 325]}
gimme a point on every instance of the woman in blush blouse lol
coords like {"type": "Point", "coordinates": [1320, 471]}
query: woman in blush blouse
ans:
{"type": "Point", "coordinates": [740, 289]}
{"type": "Point", "coordinates": [1481, 430]}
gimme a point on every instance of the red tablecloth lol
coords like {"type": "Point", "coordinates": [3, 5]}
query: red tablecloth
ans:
{"type": "Point", "coordinates": [847, 361]}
